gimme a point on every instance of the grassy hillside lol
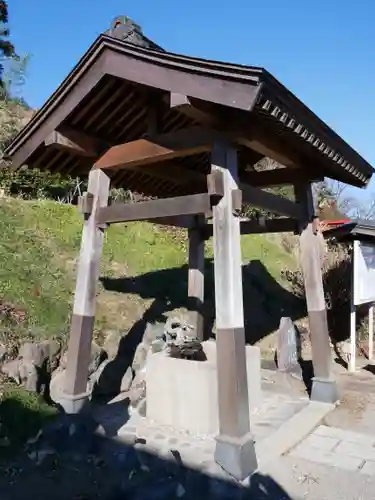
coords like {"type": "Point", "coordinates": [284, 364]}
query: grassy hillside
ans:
{"type": "Point", "coordinates": [143, 268]}
{"type": "Point", "coordinates": [142, 263]}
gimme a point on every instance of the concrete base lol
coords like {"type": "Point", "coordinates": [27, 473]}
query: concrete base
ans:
{"type": "Point", "coordinates": [70, 403]}
{"type": "Point", "coordinates": [236, 456]}
{"type": "Point", "coordinates": [183, 394]}
{"type": "Point", "coordinates": [73, 404]}
{"type": "Point", "coordinates": [324, 390]}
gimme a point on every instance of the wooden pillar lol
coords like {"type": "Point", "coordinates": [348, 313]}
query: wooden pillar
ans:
{"type": "Point", "coordinates": [82, 323]}
{"type": "Point", "coordinates": [196, 277]}
{"type": "Point", "coordinates": [235, 450]}
{"type": "Point", "coordinates": [324, 386]}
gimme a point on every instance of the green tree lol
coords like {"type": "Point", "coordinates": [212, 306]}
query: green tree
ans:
{"type": "Point", "coordinates": [7, 50]}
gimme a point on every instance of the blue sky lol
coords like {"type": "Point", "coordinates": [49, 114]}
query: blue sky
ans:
{"type": "Point", "coordinates": [322, 50]}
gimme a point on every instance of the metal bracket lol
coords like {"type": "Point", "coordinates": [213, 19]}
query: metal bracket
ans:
{"type": "Point", "coordinates": [215, 187]}
{"type": "Point", "coordinates": [315, 225]}
{"type": "Point", "coordinates": [105, 225]}
{"type": "Point", "coordinates": [236, 201]}
{"type": "Point", "coordinates": [85, 204]}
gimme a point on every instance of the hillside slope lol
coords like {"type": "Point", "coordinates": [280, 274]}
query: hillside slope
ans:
{"type": "Point", "coordinates": [142, 264]}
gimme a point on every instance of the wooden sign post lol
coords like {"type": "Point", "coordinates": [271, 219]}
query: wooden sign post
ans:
{"type": "Point", "coordinates": [362, 292]}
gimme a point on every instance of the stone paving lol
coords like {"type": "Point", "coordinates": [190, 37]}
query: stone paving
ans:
{"type": "Point", "coordinates": [195, 450]}
{"type": "Point", "coordinates": [335, 447]}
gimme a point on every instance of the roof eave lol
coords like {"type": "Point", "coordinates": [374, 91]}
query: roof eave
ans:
{"type": "Point", "coordinates": [281, 104]}
{"type": "Point", "coordinates": [239, 74]}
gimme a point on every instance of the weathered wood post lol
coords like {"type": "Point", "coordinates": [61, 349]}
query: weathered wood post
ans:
{"type": "Point", "coordinates": [82, 323]}
{"type": "Point", "coordinates": [196, 276]}
{"type": "Point", "coordinates": [235, 450]}
{"type": "Point", "coordinates": [324, 386]}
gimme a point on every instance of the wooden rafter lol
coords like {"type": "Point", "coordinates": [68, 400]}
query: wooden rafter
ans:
{"type": "Point", "coordinates": [270, 147]}
{"type": "Point", "coordinates": [280, 177]}
{"type": "Point", "coordinates": [173, 173]}
{"type": "Point", "coordinates": [256, 141]}
{"type": "Point", "coordinates": [261, 226]}
{"type": "Point", "coordinates": [158, 148]}
{"type": "Point", "coordinates": [271, 202]}
{"type": "Point", "coordinates": [75, 142]}
{"type": "Point", "coordinates": [183, 104]}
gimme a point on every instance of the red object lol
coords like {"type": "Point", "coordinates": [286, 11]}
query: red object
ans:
{"type": "Point", "coordinates": [329, 224]}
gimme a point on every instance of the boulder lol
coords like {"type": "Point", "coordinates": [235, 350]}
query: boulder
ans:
{"type": "Point", "coordinates": [34, 364]}
{"type": "Point", "coordinates": [152, 335]}
{"type": "Point", "coordinates": [30, 377]}
{"type": "Point", "coordinates": [12, 370]}
{"type": "Point", "coordinates": [98, 355]}
{"type": "Point", "coordinates": [137, 392]}
{"type": "Point", "coordinates": [22, 372]}
{"type": "Point", "coordinates": [127, 380]}
{"type": "Point", "coordinates": [111, 344]}
{"type": "Point", "coordinates": [44, 354]}
{"type": "Point", "coordinates": [33, 353]}
{"type": "Point", "coordinates": [3, 353]}
{"type": "Point", "coordinates": [110, 379]}
{"type": "Point", "coordinates": [140, 356]}
{"type": "Point", "coordinates": [152, 332]}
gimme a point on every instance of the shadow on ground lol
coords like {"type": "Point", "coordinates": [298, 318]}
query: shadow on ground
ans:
{"type": "Point", "coordinates": [265, 300]}
{"type": "Point", "coordinates": [70, 461]}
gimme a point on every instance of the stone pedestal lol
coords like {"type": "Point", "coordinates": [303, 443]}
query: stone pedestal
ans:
{"type": "Point", "coordinates": [183, 394]}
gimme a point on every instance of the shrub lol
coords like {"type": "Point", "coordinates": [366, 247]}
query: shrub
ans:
{"type": "Point", "coordinates": [35, 184]}
{"type": "Point", "coordinates": [336, 270]}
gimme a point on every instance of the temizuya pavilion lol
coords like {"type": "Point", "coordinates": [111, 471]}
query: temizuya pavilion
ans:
{"type": "Point", "coordinates": [188, 131]}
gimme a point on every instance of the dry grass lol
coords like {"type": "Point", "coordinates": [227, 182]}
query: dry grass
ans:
{"type": "Point", "coordinates": [39, 248]}
{"type": "Point", "coordinates": [336, 269]}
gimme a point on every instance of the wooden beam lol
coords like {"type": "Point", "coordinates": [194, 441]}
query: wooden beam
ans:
{"type": "Point", "coordinates": [247, 158]}
{"type": "Point", "coordinates": [200, 112]}
{"type": "Point", "coordinates": [256, 140]}
{"type": "Point", "coordinates": [158, 148]}
{"type": "Point", "coordinates": [279, 177]}
{"type": "Point", "coordinates": [184, 105]}
{"type": "Point", "coordinates": [257, 137]}
{"type": "Point", "coordinates": [215, 184]}
{"type": "Point", "coordinates": [180, 221]}
{"type": "Point", "coordinates": [271, 202]}
{"type": "Point", "coordinates": [261, 226]}
{"type": "Point", "coordinates": [173, 173]}
{"type": "Point", "coordinates": [75, 142]}
{"type": "Point", "coordinates": [235, 450]}
{"type": "Point", "coordinates": [267, 147]}
{"type": "Point", "coordinates": [86, 203]}
{"type": "Point", "coordinates": [183, 205]}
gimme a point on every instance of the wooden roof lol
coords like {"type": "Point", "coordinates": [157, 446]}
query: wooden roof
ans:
{"type": "Point", "coordinates": [117, 88]}
{"type": "Point", "coordinates": [362, 230]}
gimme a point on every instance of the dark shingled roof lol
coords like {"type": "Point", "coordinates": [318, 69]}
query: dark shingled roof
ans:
{"type": "Point", "coordinates": [110, 92]}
